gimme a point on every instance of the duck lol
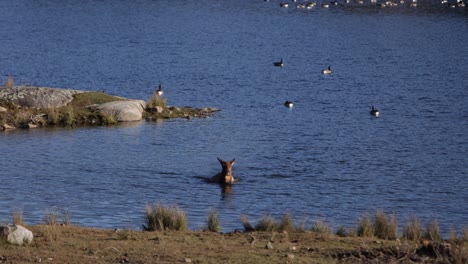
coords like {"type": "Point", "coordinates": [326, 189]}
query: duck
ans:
{"type": "Point", "coordinates": [374, 111]}
{"type": "Point", "coordinates": [311, 4]}
{"type": "Point", "coordinates": [160, 91]}
{"type": "Point", "coordinates": [279, 63]}
{"type": "Point", "coordinates": [289, 104]}
{"type": "Point", "coordinates": [327, 70]}
{"type": "Point", "coordinates": [284, 5]}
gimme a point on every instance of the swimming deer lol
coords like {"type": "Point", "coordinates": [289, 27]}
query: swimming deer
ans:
{"type": "Point", "coordinates": [225, 176]}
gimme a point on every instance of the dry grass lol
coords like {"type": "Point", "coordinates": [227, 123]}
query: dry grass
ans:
{"type": "Point", "coordinates": [155, 100]}
{"type": "Point", "coordinates": [385, 227]}
{"type": "Point", "coordinates": [245, 222]}
{"type": "Point", "coordinates": [52, 217]}
{"type": "Point", "coordinates": [213, 224]}
{"type": "Point", "coordinates": [17, 217]}
{"type": "Point", "coordinates": [320, 226]}
{"type": "Point", "coordinates": [381, 225]}
{"type": "Point", "coordinates": [287, 224]}
{"type": "Point", "coordinates": [412, 230]}
{"type": "Point", "coordinates": [9, 83]}
{"type": "Point", "coordinates": [267, 223]}
{"type": "Point", "coordinates": [70, 244]}
{"type": "Point", "coordinates": [174, 243]}
{"type": "Point", "coordinates": [342, 231]}
{"type": "Point", "coordinates": [365, 227]}
{"type": "Point", "coordinates": [160, 217]}
{"type": "Point", "coordinates": [432, 231]}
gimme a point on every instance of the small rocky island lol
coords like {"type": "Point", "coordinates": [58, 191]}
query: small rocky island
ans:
{"type": "Point", "coordinates": [32, 107]}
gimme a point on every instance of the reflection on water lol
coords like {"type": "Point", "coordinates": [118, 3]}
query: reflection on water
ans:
{"type": "Point", "coordinates": [326, 157]}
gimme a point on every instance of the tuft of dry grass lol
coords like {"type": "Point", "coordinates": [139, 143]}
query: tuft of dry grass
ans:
{"type": "Point", "coordinates": [365, 227]}
{"type": "Point", "coordinates": [160, 217]}
{"type": "Point", "coordinates": [245, 222]}
{"type": "Point", "coordinates": [385, 227]}
{"type": "Point", "coordinates": [17, 217]}
{"type": "Point", "coordinates": [432, 231]}
{"type": "Point", "coordinates": [51, 233]}
{"type": "Point", "coordinates": [453, 237]}
{"type": "Point", "coordinates": [412, 230]}
{"type": "Point", "coordinates": [66, 217]}
{"type": "Point", "coordinates": [156, 100]}
{"type": "Point", "coordinates": [465, 234]}
{"type": "Point", "coordinates": [68, 115]}
{"type": "Point", "coordinates": [9, 83]}
{"type": "Point", "coordinates": [57, 217]}
{"type": "Point", "coordinates": [320, 226]}
{"type": "Point", "coordinates": [342, 232]}
{"type": "Point", "coordinates": [381, 226]}
{"type": "Point", "coordinates": [213, 224]}
{"type": "Point", "coordinates": [287, 224]}
{"type": "Point", "coordinates": [52, 217]}
{"type": "Point", "coordinates": [267, 223]}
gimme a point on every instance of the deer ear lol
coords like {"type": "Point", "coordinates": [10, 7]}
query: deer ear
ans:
{"type": "Point", "coordinates": [220, 160]}
{"type": "Point", "coordinates": [233, 161]}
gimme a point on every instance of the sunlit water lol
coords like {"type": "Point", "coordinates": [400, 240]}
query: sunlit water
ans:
{"type": "Point", "coordinates": [325, 158]}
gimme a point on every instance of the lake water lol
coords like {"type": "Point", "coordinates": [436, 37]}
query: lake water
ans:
{"type": "Point", "coordinates": [325, 158]}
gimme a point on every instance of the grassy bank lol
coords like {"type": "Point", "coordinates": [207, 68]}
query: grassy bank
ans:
{"type": "Point", "coordinates": [166, 239]}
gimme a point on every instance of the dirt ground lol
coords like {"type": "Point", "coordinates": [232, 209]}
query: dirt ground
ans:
{"type": "Point", "coordinates": [70, 244]}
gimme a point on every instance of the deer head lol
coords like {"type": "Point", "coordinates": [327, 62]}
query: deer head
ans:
{"type": "Point", "coordinates": [226, 173]}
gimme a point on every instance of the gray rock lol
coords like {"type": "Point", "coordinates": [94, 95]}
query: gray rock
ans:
{"type": "Point", "coordinates": [16, 234]}
{"type": "Point", "coordinates": [269, 245]}
{"type": "Point", "coordinates": [159, 109]}
{"type": "Point", "coordinates": [7, 127]}
{"type": "Point", "coordinates": [31, 125]}
{"type": "Point", "coordinates": [38, 97]}
{"type": "Point", "coordinates": [123, 111]}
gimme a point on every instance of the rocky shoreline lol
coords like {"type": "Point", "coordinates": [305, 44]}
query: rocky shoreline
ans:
{"type": "Point", "coordinates": [33, 107]}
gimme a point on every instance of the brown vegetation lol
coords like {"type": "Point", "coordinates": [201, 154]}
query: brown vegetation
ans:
{"type": "Point", "coordinates": [70, 244]}
{"type": "Point", "coordinates": [270, 241]}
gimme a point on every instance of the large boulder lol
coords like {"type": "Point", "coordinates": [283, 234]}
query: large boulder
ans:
{"type": "Point", "coordinates": [16, 234]}
{"type": "Point", "coordinates": [37, 97]}
{"type": "Point", "coordinates": [122, 111]}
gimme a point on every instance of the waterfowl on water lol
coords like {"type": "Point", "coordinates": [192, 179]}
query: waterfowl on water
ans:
{"type": "Point", "coordinates": [284, 4]}
{"type": "Point", "coordinates": [311, 4]}
{"type": "Point", "coordinates": [374, 111]}
{"type": "Point", "coordinates": [279, 63]}
{"type": "Point", "coordinates": [160, 91]}
{"type": "Point", "coordinates": [327, 70]}
{"type": "Point", "coordinates": [289, 104]}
